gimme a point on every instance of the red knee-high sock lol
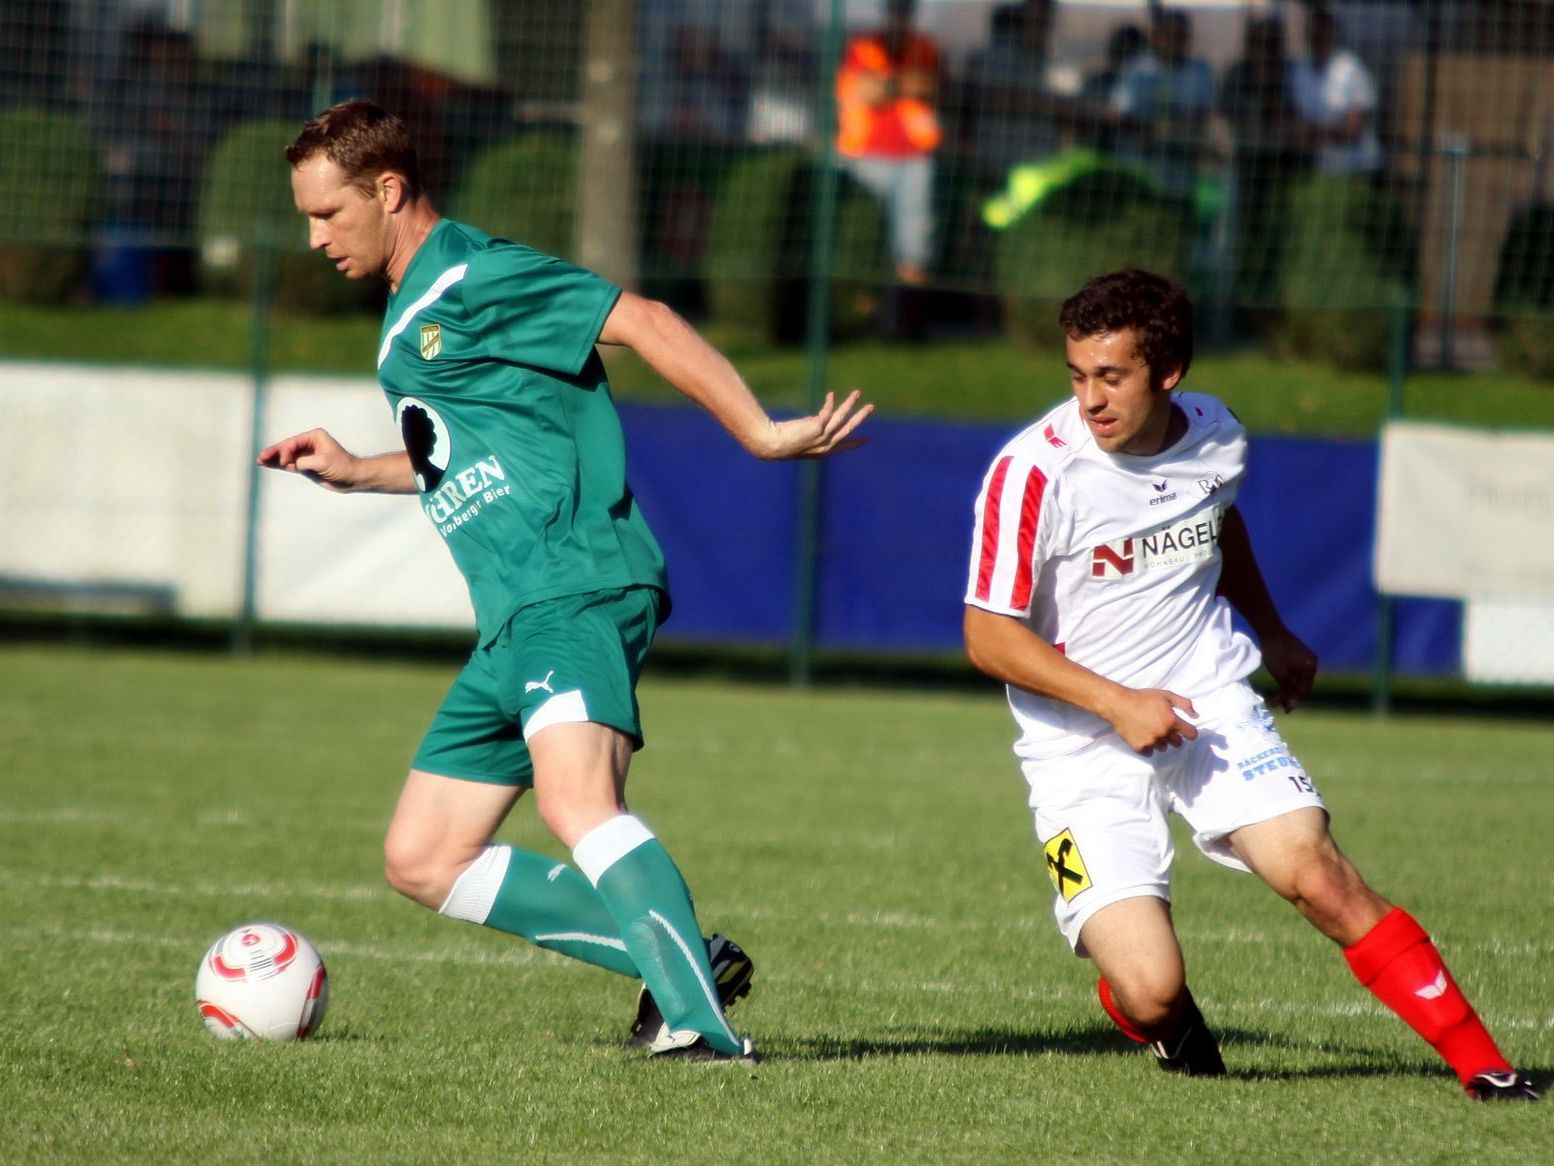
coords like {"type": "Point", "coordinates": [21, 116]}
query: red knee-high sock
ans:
{"type": "Point", "coordinates": [1108, 1002]}
{"type": "Point", "coordinates": [1398, 963]}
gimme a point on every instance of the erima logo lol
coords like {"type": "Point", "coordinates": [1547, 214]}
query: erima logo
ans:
{"type": "Point", "coordinates": [1160, 489]}
{"type": "Point", "coordinates": [1191, 541]}
{"type": "Point", "coordinates": [544, 684]}
{"type": "Point", "coordinates": [1435, 989]}
{"type": "Point", "coordinates": [1052, 438]}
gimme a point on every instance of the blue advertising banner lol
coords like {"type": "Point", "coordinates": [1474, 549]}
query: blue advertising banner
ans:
{"type": "Point", "coordinates": [896, 528]}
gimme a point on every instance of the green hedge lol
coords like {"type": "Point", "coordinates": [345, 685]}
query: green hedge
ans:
{"type": "Point", "coordinates": [758, 250]}
{"type": "Point", "coordinates": [1348, 251]}
{"type": "Point", "coordinates": [1097, 222]}
{"type": "Point", "coordinates": [1524, 294]}
{"type": "Point", "coordinates": [51, 188]}
{"type": "Point", "coordinates": [245, 203]}
{"type": "Point", "coordinates": [523, 189]}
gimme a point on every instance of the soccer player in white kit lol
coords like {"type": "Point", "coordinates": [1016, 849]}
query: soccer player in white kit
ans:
{"type": "Point", "coordinates": [1107, 557]}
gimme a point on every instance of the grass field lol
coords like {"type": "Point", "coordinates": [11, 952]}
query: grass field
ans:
{"type": "Point", "coordinates": [869, 848]}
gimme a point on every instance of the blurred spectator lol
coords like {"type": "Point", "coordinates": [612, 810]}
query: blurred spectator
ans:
{"type": "Point", "coordinates": [1257, 99]}
{"type": "Point", "coordinates": [1096, 93]}
{"type": "Point", "coordinates": [889, 130]}
{"type": "Point", "coordinates": [702, 95]}
{"type": "Point", "coordinates": [1020, 113]}
{"type": "Point", "coordinates": [155, 131]}
{"type": "Point", "coordinates": [1162, 104]}
{"type": "Point", "coordinates": [1336, 96]}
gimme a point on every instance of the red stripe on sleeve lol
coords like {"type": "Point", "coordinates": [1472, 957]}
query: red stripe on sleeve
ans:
{"type": "Point", "coordinates": [991, 505]}
{"type": "Point", "coordinates": [1030, 512]}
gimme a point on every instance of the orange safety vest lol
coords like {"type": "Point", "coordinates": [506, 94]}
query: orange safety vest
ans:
{"type": "Point", "coordinates": [858, 121]}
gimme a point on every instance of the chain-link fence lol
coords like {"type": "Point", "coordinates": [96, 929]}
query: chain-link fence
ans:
{"type": "Point", "coordinates": [1316, 172]}
{"type": "Point", "coordinates": [1300, 164]}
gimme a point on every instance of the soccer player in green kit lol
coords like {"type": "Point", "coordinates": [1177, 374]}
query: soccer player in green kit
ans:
{"type": "Point", "coordinates": [513, 443]}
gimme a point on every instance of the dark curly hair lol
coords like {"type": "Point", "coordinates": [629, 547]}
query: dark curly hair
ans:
{"type": "Point", "coordinates": [1158, 310]}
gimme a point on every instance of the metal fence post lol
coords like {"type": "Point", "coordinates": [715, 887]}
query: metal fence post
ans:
{"type": "Point", "coordinates": [259, 372]}
{"type": "Point", "coordinates": [817, 332]}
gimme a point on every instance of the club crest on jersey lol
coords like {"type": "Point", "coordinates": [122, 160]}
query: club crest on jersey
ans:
{"type": "Point", "coordinates": [1065, 865]}
{"type": "Point", "coordinates": [431, 341]}
{"type": "Point", "coordinates": [1175, 545]}
{"type": "Point", "coordinates": [1209, 485]}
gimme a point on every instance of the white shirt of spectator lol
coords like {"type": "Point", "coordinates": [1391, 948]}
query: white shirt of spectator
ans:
{"type": "Point", "coordinates": [1325, 97]}
{"type": "Point", "coordinates": [1113, 559]}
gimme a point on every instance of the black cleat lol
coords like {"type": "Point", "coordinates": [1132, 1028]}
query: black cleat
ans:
{"type": "Point", "coordinates": [732, 971]}
{"type": "Point", "coordinates": [1191, 1050]}
{"type": "Point", "coordinates": [1507, 1086]}
{"type": "Point", "coordinates": [689, 1045]}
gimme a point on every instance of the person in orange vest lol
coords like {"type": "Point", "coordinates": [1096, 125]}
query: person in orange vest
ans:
{"type": "Point", "coordinates": [888, 131]}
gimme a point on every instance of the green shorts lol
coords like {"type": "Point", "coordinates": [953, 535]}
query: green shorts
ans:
{"type": "Point", "coordinates": [565, 660]}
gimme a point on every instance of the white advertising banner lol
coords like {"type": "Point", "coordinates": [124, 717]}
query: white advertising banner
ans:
{"type": "Point", "coordinates": [128, 489]}
{"type": "Point", "coordinates": [1465, 513]}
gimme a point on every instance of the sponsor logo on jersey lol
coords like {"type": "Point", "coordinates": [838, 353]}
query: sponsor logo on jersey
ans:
{"type": "Point", "coordinates": [464, 494]}
{"type": "Point", "coordinates": [426, 439]}
{"type": "Point", "coordinates": [431, 341]}
{"type": "Point", "coordinates": [1175, 545]}
{"type": "Point", "coordinates": [1052, 437]}
{"type": "Point", "coordinates": [1065, 866]}
{"type": "Point", "coordinates": [1161, 496]}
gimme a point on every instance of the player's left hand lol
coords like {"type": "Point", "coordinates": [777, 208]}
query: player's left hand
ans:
{"type": "Point", "coordinates": [1292, 665]}
{"type": "Point", "coordinates": [828, 431]}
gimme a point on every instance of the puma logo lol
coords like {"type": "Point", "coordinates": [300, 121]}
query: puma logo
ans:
{"type": "Point", "coordinates": [543, 684]}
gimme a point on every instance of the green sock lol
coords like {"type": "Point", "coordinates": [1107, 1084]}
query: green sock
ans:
{"type": "Point", "coordinates": [545, 901]}
{"type": "Point", "coordinates": [642, 887]}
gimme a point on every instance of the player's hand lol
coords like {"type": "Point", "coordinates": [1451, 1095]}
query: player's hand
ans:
{"type": "Point", "coordinates": [316, 456]}
{"type": "Point", "coordinates": [1292, 665]}
{"type": "Point", "coordinates": [1152, 719]}
{"type": "Point", "coordinates": [828, 431]}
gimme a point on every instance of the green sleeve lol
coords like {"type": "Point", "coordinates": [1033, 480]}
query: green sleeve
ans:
{"type": "Point", "coordinates": [534, 309]}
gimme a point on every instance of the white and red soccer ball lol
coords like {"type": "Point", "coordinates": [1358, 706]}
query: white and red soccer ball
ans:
{"type": "Point", "coordinates": [262, 981]}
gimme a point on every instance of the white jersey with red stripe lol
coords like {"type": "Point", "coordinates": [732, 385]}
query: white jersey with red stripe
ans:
{"type": "Point", "coordinates": [1114, 559]}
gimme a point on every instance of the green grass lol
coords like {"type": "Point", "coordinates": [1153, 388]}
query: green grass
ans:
{"type": "Point", "coordinates": [976, 380]}
{"type": "Point", "coordinates": [870, 848]}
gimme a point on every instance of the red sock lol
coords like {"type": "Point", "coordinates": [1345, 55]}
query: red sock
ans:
{"type": "Point", "coordinates": [1398, 963]}
{"type": "Point", "coordinates": [1104, 991]}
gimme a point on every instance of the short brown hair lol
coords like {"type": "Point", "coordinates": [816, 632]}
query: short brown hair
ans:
{"type": "Point", "coordinates": [1158, 309]}
{"type": "Point", "coordinates": [364, 140]}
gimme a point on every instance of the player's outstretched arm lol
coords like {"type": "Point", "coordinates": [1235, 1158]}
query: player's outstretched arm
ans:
{"type": "Point", "coordinates": [676, 352]}
{"type": "Point", "coordinates": [1289, 661]}
{"type": "Point", "coordinates": [320, 458]}
{"type": "Point", "coordinates": [1004, 648]}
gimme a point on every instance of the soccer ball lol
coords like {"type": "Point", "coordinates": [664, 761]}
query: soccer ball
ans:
{"type": "Point", "coordinates": [262, 981]}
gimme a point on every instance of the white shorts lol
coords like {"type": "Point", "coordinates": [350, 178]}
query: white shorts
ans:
{"type": "Point", "coordinates": [1101, 813]}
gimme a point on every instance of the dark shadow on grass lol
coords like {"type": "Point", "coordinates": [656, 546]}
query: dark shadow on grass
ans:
{"type": "Point", "coordinates": [1347, 1060]}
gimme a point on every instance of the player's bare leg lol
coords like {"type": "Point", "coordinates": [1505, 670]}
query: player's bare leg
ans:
{"type": "Point", "coordinates": [1386, 949]}
{"type": "Point", "coordinates": [439, 852]}
{"type": "Point", "coordinates": [1143, 984]}
{"type": "Point", "coordinates": [439, 827]}
{"type": "Point", "coordinates": [580, 781]}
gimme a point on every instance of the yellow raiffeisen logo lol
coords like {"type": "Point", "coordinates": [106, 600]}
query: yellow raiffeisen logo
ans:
{"type": "Point", "coordinates": [431, 340]}
{"type": "Point", "coordinates": [1065, 866]}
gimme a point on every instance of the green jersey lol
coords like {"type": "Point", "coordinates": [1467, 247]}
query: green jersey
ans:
{"type": "Point", "coordinates": [488, 361]}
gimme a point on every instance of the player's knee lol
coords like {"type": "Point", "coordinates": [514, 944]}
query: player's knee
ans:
{"type": "Point", "coordinates": [413, 869]}
{"type": "Point", "coordinates": [1151, 1000]}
